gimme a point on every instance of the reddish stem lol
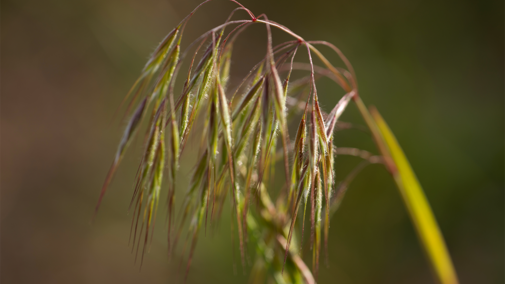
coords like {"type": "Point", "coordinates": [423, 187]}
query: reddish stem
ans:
{"type": "Point", "coordinates": [247, 10]}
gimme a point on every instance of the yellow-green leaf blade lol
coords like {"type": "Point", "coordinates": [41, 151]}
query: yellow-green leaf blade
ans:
{"type": "Point", "coordinates": [418, 206]}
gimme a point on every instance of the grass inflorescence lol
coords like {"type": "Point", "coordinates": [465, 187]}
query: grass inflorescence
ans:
{"type": "Point", "coordinates": [245, 134]}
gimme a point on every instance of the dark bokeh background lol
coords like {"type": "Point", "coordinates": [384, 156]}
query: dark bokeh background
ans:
{"type": "Point", "coordinates": [433, 68]}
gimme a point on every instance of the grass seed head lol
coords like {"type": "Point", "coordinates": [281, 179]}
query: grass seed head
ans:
{"type": "Point", "coordinates": [238, 149]}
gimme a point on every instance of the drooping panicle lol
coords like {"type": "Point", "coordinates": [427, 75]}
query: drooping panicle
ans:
{"type": "Point", "coordinates": [238, 143]}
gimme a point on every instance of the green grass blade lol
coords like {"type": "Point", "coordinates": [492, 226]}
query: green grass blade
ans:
{"type": "Point", "coordinates": [418, 206]}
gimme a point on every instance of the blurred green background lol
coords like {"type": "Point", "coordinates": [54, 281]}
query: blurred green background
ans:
{"type": "Point", "coordinates": [434, 69]}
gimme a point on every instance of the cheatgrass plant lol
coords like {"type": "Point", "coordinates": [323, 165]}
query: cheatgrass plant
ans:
{"type": "Point", "coordinates": [243, 133]}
